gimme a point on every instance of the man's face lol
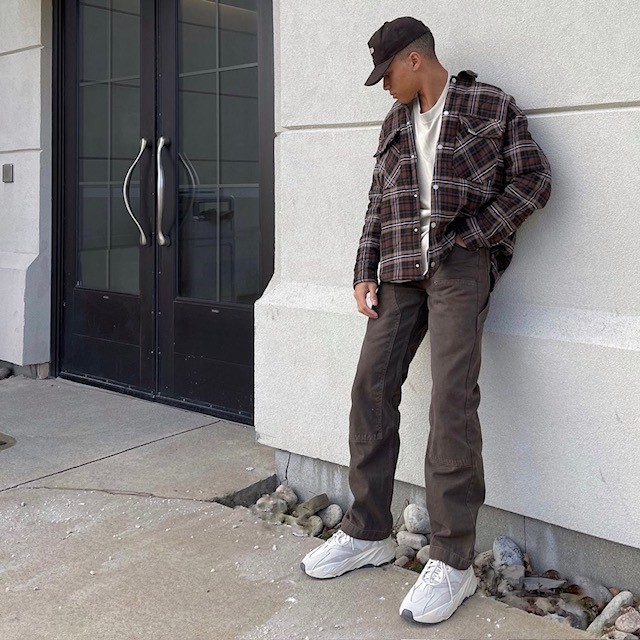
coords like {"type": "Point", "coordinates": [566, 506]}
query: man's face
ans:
{"type": "Point", "coordinates": [399, 80]}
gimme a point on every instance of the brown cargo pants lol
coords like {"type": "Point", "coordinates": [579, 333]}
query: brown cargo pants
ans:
{"type": "Point", "coordinates": [453, 304]}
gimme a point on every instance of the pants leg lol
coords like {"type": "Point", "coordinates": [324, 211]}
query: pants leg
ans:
{"type": "Point", "coordinates": [458, 301]}
{"type": "Point", "coordinates": [389, 344]}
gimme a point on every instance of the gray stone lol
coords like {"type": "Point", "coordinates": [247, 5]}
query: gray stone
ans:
{"type": "Point", "coordinates": [614, 634]}
{"type": "Point", "coordinates": [404, 550]}
{"type": "Point", "coordinates": [513, 575]}
{"type": "Point", "coordinates": [416, 519]}
{"type": "Point", "coordinates": [414, 540]}
{"type": "Point", "coordinates": [314, 525]}
{"type": "Point", "coordinates": [589, 587]}
{"type": "Point", "coordinates": [267, 506]}
{"type": "Point", "coordinates": [544, 605]}
{"type": "Point", "coordinates": [537, 583]}
{"type": "Point", "coordinates": [628, 621]}
{"type": "Point", "coordinates": [401, 561]}
{"type": "Point", "coordinates": [287, 494]}
{"type": "Point", "coordinates": [423, 555]}
{"type": "Point", "coordinates": [483, 559]}
{"type": "Point", "coordinates": [558, 618]}
{"type": "Point", "coordinates": [331, 516]}
{"type": "Point", "coordinates": [5, 372]}
{"type": "Point", "coordinates": [610, 612]}
{"type": "Point", "coordinates": [506, 552]}
{"type": "Point", "coordinates": [312, 506]}
{"type": "Point", "coordinates": [515, 601]}
{"type": "Point", "coordinates": [580, 615]}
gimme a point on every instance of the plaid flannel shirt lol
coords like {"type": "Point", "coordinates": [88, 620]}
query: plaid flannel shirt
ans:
{"type": "Point", "coordinates": [489, 176]}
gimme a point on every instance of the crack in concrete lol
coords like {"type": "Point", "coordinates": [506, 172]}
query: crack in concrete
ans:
{"type": "Point", "coordinates": [111, 455]}
{"type": "Point", "coordinates": [118, 492]}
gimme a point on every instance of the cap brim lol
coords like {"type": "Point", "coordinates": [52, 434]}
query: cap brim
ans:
{"type": "Point", "coordinates": [378, 71]}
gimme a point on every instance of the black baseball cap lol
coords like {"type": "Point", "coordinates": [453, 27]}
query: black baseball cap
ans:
{"type": "Point", "coordinates": [391, 38]}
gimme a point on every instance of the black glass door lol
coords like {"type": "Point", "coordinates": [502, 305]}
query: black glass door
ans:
{"type": "Point", "coordinates": [168, 196]}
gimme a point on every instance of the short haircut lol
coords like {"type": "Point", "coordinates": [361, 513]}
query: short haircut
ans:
{"type": "Point", "coordinates": [424, 45]}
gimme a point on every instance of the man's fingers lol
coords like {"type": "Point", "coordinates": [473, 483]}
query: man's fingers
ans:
{"type": "Point", "coordinates": [360, 293]}
{"type": "Point", "coordinates": [372, 294]}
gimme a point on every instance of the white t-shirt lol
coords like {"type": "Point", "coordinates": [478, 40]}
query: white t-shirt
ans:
{"type": "Point", "coordinates": [426, 127]}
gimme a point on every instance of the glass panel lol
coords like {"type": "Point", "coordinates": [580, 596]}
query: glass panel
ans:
{"type": "Point", "coordinates": [220, 245]}
{"type": "Point", "coordinates": [238, 32]}
{"type": "Point", "coordinates": [239, 126]}
{"type": "Point", "coordinates": [108, 141]}
{"type": "Point", "coordinates": [218, 197]}
{"type": "Point", "coordinates": [197, 33]}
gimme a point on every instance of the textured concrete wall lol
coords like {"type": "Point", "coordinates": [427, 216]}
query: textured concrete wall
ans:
{"type": "Point", "coordinates": [25, 204]}
{"type": "Point", "coordinates": [560, 402]}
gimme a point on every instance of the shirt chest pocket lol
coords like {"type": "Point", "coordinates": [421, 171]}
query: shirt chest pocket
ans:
{"type": "Point", "coordinates": [389, 159]}
{"type": "Point", "coordinates": [477, 151]}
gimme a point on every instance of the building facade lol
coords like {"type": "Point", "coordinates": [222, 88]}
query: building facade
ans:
{"type": "Point", "coordinates": [184, 185]}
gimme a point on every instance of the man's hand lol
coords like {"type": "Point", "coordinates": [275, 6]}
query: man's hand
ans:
{"type": "Point", "coordinates": [360, 294]}
{"type": "Point", "coordinates": [460, 241]}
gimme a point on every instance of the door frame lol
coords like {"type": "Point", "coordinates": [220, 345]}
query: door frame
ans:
{"type": "Point", "coordinates": [60, 59]}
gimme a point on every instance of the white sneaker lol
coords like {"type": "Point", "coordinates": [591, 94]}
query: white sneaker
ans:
{"type": "Point", "coordinates": [438, 592]}
{"type": "Point", "coordinates": [342, 553]}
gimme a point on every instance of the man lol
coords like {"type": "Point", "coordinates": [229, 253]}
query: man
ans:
{"type": "Point", "coordinates": [456, 173]}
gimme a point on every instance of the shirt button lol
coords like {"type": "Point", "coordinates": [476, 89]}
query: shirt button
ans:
{"type": "Point", "coordinates": [439, 146]}
{"type": "Point", "coordinates": [433, 224]}
{"type": "Point", "coordinates": [415, 228]}
{"type": "Point", "coordinates": [433, 264]}
{"type": "Point", "coordinates": [446, 113]}
{"type": "Point", "coordinates": [435, 186]}
{"type": "Point", "coordinates": [413, 156]}
{"type": "Point", "coordinates": [453, 79]}
{"type": "Point", "coordinates": [415, 195]}
{"type": "Point", "coordinates": [417, 264]}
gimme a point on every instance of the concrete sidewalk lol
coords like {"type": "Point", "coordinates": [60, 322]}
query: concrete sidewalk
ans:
{"type": "Point", "coordinates": [109, 530]}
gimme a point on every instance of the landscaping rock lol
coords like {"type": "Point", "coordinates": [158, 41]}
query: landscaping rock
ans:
{"type": "Point", "coordinates": [414, 540]}
{"type": "Point", "coordinates": [506, 552]}
{"type": "Point", "coordinates": [628, 621]}
{"type": "Point", "coordinates": [404, 550]}
{"type": "Point", "coordinates": [589, 587]}
{"type": "Point", "coordinates": [483, 559]}
{"type": "Point", "coordinates": [610, 612]}
{"type": "Point", "coordinates": [268, 505]}
{"type": "Point", "coordinates": [416, 519]}
{"type": "Point", "coordinates": [423, 555]}
{"type": "Point", "coordinates": [513, 576]}
{"type": "Point", "coordinates": [287, 494]}
{"type": "Point", "coordinates": [331, 516]}
{"type": "Point", "coordinates": [312, 506]}
{"type": "Point", "coordinates": [537, 583]}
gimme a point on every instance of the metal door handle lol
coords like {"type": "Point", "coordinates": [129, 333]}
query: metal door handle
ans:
{"type": "Point", "coordinates": [144, 143]}
{"type": "Point", "coordinates": [162, 239]}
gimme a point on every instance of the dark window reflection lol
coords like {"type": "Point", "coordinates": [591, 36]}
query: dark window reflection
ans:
{"type": "Point", "coordinates": [108, 139]}
{"type": "Point", "coordinates": [218, 199]}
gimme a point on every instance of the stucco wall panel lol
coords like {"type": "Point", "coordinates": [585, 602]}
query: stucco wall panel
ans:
{"type": "Point", "coordinates": [549, 55]}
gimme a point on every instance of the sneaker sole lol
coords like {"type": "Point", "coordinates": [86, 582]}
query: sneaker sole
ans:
{"type": "Point", "coordinates": [364, 566]}
{"type": "Point", "coordinates": [440, 614]}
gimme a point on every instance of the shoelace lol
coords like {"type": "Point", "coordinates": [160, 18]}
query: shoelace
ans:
{"type": "Point", "coordinates": [433, 572]}
{"type": "Point", "coordinates": [340, 537]}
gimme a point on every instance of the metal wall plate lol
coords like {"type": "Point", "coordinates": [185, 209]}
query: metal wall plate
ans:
{"type": "Point", "coordinates": [7, 173]}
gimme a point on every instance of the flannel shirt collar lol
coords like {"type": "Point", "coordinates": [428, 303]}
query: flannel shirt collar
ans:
{"type": "Point", "coordinates": [400, 113]}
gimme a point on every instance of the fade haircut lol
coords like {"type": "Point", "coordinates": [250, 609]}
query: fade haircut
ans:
{"type": "Point", "coordinates": [424, 45]}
